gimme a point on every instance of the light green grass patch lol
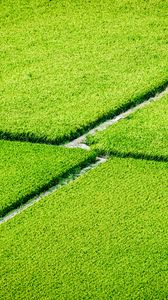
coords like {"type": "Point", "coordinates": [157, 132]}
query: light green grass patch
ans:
{"type": "Point", "coordinates": [68, 64]}
{"type": "Point", "coordinates": [144, 133]}
{"type": "Point", "coordinates": [27, 169]}
{"type": "Point", "coordinates": [101, 237]}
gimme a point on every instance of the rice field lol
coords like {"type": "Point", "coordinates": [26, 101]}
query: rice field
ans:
{"type": "Point", "coordinates": [27, 169]}
{"type": "Point", "coordinates": [98, 226]}
{"type": "Point", "coordinates": [69, 65]}
{"type": "Point", "coordinates": [103, 236]}
{"type": "Point", "coordinates": [143, 133]}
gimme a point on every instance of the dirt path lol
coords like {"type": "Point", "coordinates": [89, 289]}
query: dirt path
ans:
{"type": "Point", "coordinates": [80, 143]}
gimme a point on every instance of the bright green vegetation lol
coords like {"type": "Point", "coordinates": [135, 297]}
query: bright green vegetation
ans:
{"type": "Point", "coordinates": [103, 236]}
{"type": "Point", "coordinates": [27, 169]}
{"type": "Point", "coordinates": [69, 64]}
{"type": "Point", "coordinates": [144, 133]}
{"type": "Point", "coordinates": [66, 66]}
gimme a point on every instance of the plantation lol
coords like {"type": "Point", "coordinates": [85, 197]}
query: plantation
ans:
{"type": "Point", "coordinates": [27, 169]}
{"type": "Point", "coordinates": [86, 223]}
{"type": "Point", "coordinates": [69, 64]}
{"type": "Point", "coordinates": [103, 236]}
{"type": "Point", "coordinates": [144, 134]}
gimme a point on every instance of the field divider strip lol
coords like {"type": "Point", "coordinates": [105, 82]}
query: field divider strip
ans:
{"type": "Point", "coordinates": [63, 182]}
{"type": "Point", "coordinates": [83, 131]}
{"type": "Point", "coordinates": [80, 142]}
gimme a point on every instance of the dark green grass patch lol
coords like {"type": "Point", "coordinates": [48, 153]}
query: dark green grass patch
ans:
{"type": "Point", "coordinates": [67, 65]}
{"type": "Point", "coordinates": [27, 169]}
{"type": "Point", "coordinates": [142, 134]}
{"type": "Point", "coordinates": [101, 237]}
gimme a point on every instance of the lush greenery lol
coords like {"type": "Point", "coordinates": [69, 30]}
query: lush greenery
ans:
{"type": "Point", "coordinates": [143, 134]}
{"type": "Point", "coordinates": [27, 169]}
{"type": "Point", "coordinates": [103, 236]}
{"type": "Point", "coordinates": [67, 64]}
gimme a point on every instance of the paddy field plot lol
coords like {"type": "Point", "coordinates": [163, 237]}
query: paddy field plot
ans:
{"type": "Point", "coordinates": [143, 133]}
{"type": "Point", "coordinates": [68, 65]}
{"type": "Point", "coordinates": [103, 236]}
{"type": "Point", "coordinates": [27, 169]}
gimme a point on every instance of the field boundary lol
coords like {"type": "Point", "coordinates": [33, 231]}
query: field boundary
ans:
{"type": "Point", "coordinates": [134, 155]}
{"type": "Point", "coordinates": [85, 130]}
{"type": "Point", "coordinates": [54, 181]}
{"type": "Point", "coordinates": [62, 182]}
{"type": "Point", "coordinates": [87, 165]}
{"type": "Point", "coordinates": [81, 141]}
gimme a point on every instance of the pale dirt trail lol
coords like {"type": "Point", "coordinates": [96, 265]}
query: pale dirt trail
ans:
{"type": "Point", "coordinates": [80, 143]}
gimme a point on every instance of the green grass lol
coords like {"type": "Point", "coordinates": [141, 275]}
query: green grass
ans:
{"type": "Point", "coordinates": [101, 237]}
{"type": "Point", "coordinates": [143, 134]}
{"type": "Point", "coordinates": [27, 169]}
{"type": "Point", "coordinates": [66, 65]}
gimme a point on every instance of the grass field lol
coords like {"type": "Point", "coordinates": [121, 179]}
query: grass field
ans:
{"type": "Point", "coordinates": [68, 64]}
{"type": "Point", "coordinates": [27, 169]}
{"type": "Point", "coordinates": [144, 133]}
{"type": "Point", "coordinates": [102, 237]}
